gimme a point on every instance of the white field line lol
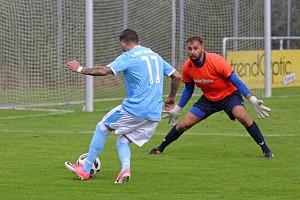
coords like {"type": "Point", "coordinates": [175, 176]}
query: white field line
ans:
{"type": "Point", "coordinates": [157, 133]}
{"type": "Point", "coordinates": [36, 115]}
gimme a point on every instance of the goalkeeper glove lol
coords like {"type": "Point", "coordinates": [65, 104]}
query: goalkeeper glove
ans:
{"type": "Point", "coordinates": [172, 115]}
{"type": "Point", "coordinates": [261, 110]}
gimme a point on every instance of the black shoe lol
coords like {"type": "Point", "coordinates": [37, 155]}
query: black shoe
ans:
{"type": "Point", "coordinates": [268, 154]}
{"type": "Point", "coordinates": [154, 151]}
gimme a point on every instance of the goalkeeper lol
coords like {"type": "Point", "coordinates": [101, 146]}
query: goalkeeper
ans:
{"type": "Point", "coordinates": [222, 90]}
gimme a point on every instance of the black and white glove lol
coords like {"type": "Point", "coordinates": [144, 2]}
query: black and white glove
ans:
{"type": "Point", "coordinates": [261, 110]}
{"type": "Point", "coordinates": [172, 115]}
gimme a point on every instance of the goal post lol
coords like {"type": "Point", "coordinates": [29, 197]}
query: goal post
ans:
{"type": "Point", "coordinates": [267, 49]}
{"type": "Point", "coordinates": [89, 48]}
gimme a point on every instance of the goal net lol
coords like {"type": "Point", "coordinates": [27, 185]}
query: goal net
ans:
{"type": "Point", "coordinates": [39, 37]}
{"type": "Point", "coordinates": [213, 20]}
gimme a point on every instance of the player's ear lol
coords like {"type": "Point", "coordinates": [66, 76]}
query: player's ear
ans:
{"type": "Point", "coordinates": [123, 45]}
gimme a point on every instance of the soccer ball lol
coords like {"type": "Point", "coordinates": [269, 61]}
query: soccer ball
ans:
{"type": "Point", "coordinates": [96, 166]}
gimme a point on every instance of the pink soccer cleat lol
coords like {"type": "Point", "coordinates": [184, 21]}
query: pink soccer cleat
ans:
{"type": "Point", "coordinates": [77, 168]}
{"type": "Point", "coordinates": [123, 177]}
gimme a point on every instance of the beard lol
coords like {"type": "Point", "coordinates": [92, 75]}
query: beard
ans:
{"type": "Point", "coordinates": [195, 58]}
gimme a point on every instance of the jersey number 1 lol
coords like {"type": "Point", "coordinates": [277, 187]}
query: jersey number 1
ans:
{"type": "Point", "coordinates": [146, 58]}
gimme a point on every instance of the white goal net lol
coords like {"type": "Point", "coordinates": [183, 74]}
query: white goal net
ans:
{"type": "Point", "coordinates": [38, 37]}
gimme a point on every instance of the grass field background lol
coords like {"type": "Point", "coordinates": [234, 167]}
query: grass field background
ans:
{"type": "Point", "coordinates": [216, 159]}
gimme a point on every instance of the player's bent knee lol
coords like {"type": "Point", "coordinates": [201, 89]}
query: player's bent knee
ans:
{"type": "Point", "coordinates": [182, 126]}
{"type": "Point", "coordinates": [242, 117]}
{"type": "Point", "coordinates": [244, 120]}
{"type": "Point", "coordinates": [101, 127]}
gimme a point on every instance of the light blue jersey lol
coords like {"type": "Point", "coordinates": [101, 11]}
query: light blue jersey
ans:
{"type": "Point", "coordinates": [143, 72]}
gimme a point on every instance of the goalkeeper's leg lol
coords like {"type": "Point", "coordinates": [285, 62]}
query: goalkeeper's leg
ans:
{"type": "Point", "coordinates": [256, 134]}
{"type": "Point", "coordinates": [240, 114]}
{"type": "Point", "coordinates": [190, 119]}
{"type": "Point", "coordinates": [170, 137]}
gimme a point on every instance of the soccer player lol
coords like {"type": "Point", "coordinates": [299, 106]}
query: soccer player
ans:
{"type": "Point", "coordinates": [136, 119]}
{"type": "Point", "coordinates": [222, 90]}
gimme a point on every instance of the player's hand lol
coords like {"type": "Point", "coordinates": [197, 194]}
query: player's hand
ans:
{"type": "Point", "coordinates": [261, 110]}
{"type": "Point", "coordinates": [169, 103]}
{"type": "Point", "coordinates": [74, 66]}
{"type": "Point", "coordinates": [172, 115]}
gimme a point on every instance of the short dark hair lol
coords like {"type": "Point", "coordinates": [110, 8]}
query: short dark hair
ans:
{"type": "Point", "coordinates": [195, 38]}
{"type": "Point", "coordinates": [129, 35]}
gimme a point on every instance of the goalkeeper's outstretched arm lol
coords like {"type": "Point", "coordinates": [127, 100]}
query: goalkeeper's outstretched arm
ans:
{"type": "Point", "coordinates": [261, 110]}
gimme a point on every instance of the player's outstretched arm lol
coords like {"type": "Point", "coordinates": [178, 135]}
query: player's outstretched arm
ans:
{"type": "Point", "coordinates": [94, 71]}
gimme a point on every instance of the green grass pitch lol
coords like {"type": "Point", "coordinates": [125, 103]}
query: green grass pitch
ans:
{"type": "Point", "coordinates": [216, 159]}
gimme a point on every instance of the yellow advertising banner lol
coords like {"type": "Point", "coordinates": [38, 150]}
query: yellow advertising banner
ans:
{"type": "Point", "coordinates": [250, 67]}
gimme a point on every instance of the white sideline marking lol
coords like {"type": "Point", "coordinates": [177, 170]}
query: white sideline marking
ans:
{"type": "Point", "coordinates": [36, 115]}
{"type": "Point", "coordinates": [237, 134]}
{"type": "Point", "coordinates": [157, 133]}
{"type": "Point", "coordinates": [49, 132]}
